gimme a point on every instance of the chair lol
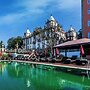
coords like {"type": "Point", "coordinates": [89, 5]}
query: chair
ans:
{"type": "Point", "coordinates": [59, 59]}
{"type": "Point", "coordinates": [67, 61]}
{"type": "Point", "coordinates": [74, 57]}
{"type": "Point", "coordinates": [81, 61]}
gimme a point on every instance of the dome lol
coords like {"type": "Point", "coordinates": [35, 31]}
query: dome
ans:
{"type": "Point", "coordinates": [71, 29]}
{"type": "Point", "coordinates": [27, 31]}
{"type": "Point", "coordinates": [51, 18]}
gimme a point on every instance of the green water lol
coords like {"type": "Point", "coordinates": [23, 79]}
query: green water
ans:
{"type": "Point", "coordinates": [16, 76]}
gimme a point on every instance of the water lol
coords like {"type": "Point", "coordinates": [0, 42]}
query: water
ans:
{"type": "Point", "coordinates": [19, 76]}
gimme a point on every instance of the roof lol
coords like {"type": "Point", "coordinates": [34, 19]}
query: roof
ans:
{"type": "Point", "coordinates": [74, 44]}
{"type": "Point", "coordinates": [71, 29]}
{"type": "Point", "coordinates": [27, 31]}
{"type": "Point", "coordinates": [51, 18]}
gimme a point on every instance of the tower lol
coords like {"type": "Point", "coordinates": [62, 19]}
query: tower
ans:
{"type": "Point", "coordinates": [71, 34]}
{"type": "Point", "coordinates": [51, 22]}
{"type": "Point", "coordinates": [86, 18]}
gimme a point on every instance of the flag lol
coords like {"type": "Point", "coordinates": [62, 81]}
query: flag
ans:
{"type": "Point", "coordinates": [57, 51]}
{"type": "Point", "coordinates": [81, 50]}
{"type": "Point", "coordinates": [0, 54]}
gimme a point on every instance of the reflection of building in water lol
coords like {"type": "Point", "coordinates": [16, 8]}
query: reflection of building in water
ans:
{"type": "Point", "coordinates": [28, 83]}
{"type": "Point", "coordinates": [2, 68]}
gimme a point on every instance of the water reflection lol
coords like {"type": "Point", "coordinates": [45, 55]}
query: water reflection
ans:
{"type": "Point", "coordinates": [2, 68]}
{"type": "Point", "coordinates": [30, 77]}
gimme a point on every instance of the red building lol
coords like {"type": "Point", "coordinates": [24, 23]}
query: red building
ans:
{"type": "Point", "coordinates": [86, 18]}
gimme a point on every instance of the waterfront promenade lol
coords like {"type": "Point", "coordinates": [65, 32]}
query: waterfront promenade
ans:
{"type": "Point", "coordinates": [71, 66]}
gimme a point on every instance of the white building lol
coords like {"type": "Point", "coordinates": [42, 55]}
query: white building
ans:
{"type": "Point", "coordinates": [42, 38]}
{"type": "Point", "coordinates": [71, 34]}
{"type": "Point", "coordinates": [2, 47]}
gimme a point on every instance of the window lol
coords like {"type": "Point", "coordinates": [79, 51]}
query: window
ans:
{"type": "Point", "coordinates": [89, 23]}
{"type": "Point", "coordinates": [89, 35]}
{"type": "Point", "coordinates": [88, 1]}
{"type": "Point", "coordinates": [89, 11]}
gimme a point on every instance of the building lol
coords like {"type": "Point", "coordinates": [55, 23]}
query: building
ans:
{"type": "Point", "coordinates": [86, 18]}
{"type": "Point", "coordinates": [2, 47]}
{"type": "Point", "coordinates": [71, 34]}
{"type": "Point", "coordinates": [42, 38]}
{"type": "Point", "coordinates": [26, 38]}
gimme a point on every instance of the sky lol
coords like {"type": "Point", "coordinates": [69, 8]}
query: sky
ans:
{"type": "Point", "coordinates": [18, 15]}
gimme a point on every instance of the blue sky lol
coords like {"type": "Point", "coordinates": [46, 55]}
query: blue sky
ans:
{"type": "Point", "coordinates": [17, 15]}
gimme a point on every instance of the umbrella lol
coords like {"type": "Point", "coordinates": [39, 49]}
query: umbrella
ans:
{"type": "Point", "coordinates": [81, 50]}
{"type": "Point", "coordinates": [0, 54]}
{"type": "Point", "coordinates": [57, 51]}
{"type": "Point", "coordinates": [45, 51]}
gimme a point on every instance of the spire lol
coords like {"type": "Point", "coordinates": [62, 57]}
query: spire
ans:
{"type": "Point", "coordinates": [71, 28]}
{"type": "Point", "coordinates": [27, 30]}
{"type": "Point", "coordinates": [28, 33]}
{"type": "Point", "coordinates": [51, 18]}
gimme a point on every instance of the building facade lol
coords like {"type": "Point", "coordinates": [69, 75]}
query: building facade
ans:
{"type": "Point", "coordinates": [2, 47]}
{"type": "Point", "coordinates": [52, 34]}
{"type": "Point", "coordinates": [86, 18]}
{"type": "Point", "coordinates": [71, 34]}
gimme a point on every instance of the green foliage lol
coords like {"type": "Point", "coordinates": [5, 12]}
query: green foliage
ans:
{"type": "Point", "coordinates": [12, 42]}
{"type": "Point", "coordinates": [80, 34]}
{"type": "Point", "coordinates": [87, 51]}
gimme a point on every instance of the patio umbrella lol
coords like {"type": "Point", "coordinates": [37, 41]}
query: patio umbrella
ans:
{"type": "Point", "coordinates": [57, 51]}
{"type": "Point", "coordinates": [45, 52]}
{"type": "Point", "coordinates": [81, 50]}
{"type": "Point", "coordinates": [0, 54]}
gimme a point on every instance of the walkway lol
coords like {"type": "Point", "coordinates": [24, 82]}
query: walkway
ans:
{"type": "Point", "coordinates": [72, 66]}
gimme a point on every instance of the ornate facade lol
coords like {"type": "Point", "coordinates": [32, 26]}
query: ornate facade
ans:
{"type": "Point", "coordinates": [52, 34]}
{"type": "Point", "coordinates": [71, 34]}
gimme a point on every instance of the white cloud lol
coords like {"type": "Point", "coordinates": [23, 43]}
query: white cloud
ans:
{"type": "Point", "coordinates": [32, 8]}
{"type": "Point", "coordinates": [10, 18]}
{"type": "Point", "coordinates": [69, 4]}
{"type": "Point", "coordinates": [35, 4]}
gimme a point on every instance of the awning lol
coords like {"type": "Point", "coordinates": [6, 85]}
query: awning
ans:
{"type": "Point", "coordinates": [74, 44]}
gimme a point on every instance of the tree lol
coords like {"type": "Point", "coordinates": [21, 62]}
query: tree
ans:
{"type": "Point", "coordinates": [80, 34]}
{"type": "Point", "coordinates": [18, 41]}
{"type": "Point", "coordinates": [13, 42]}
